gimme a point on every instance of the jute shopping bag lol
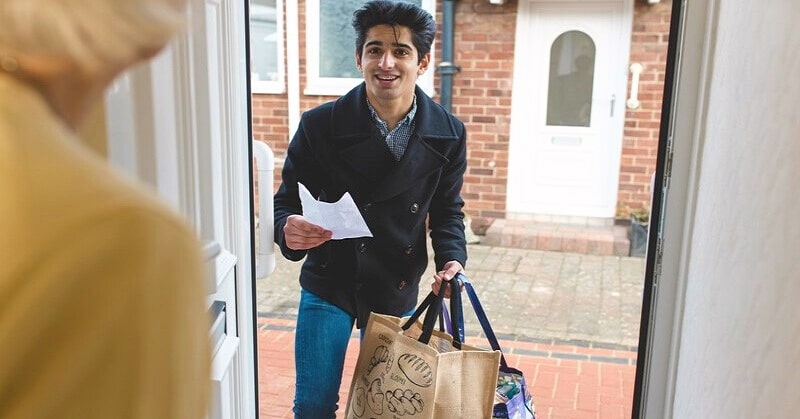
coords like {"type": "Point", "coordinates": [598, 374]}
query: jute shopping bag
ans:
{"type": "Point", "coordinates": [513, 398]}
{"type": "Point", "coordinates": [406, 369]}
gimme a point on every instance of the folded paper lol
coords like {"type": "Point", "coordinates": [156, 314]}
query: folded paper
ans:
{"type": "Point", "coordinates": [341, 217]}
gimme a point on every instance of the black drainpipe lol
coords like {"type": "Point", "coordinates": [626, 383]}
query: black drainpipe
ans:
{"type": "Point", "coordinates": [446, 68]}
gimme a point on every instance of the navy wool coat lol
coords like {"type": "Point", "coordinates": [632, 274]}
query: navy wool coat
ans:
{"type": "Point", "coordinates": [338, 149]}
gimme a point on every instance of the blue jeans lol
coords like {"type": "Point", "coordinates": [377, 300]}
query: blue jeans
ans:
{"type": "Point", "coordinates": [321, 338]}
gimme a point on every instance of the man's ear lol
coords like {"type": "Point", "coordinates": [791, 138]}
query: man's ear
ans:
{"type": "Point", "coordinates": [358, 60]}
{"type": "Point", "coordinates": [423, 64]}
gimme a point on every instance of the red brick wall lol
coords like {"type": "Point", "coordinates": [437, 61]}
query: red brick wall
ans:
{"type": "Point", "coordinates": [484, 49]}
{"type": "Point", "coordinates": [271, 120]}
{"type": "Point", "coordinates": [640, 141]}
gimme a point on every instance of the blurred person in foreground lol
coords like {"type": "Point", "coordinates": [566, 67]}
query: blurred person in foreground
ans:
{"type": "Point", "coordinates": [102, 311]}
{"type": "Point", "coordinates": [402, 157]}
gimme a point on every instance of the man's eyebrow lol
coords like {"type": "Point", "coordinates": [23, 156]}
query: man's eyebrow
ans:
{"type": "Point", "coordinates": [394, 44]}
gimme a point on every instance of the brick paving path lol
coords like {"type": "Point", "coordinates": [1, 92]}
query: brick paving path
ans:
{"type": "Point", "coordinates": [568, 321]}
{"type": "Point", "coordinates": [567, 381]}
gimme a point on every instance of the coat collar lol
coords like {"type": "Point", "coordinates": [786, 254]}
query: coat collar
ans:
{"type": "Point", "coordinates": [431, 119]}
{"type": "Point", "coordinates": [362, 150]}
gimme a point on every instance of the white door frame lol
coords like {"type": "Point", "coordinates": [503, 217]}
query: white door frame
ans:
{"type": "Point", "coordinates": [521, 110]}
{"type": "Point", "coordinates": [180, 123]}
{"type": "Point", "coordinates": [669, 260]}
{"type": "Point", "coordinates": [149, 103]}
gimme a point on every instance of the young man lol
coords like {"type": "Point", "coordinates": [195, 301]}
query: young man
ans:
{"type": "Point", "coordinates": [402, 157]}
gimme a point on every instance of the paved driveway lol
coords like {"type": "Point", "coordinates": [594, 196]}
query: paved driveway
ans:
{"type": "Point", "coordinates": [529, 295]}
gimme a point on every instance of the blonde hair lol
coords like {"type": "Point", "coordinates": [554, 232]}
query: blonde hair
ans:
{"type": "Point", "coordinates": [90, 33]}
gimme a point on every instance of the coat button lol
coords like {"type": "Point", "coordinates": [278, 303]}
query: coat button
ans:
{"type": "Point", "coordinates": [362, 247]}
{"type": "Point", "coordinates": [402, 285]}
{"type": "Point", "coordinates": [409, 250]}
{"type": "Point", "coordinates": [414, 208]}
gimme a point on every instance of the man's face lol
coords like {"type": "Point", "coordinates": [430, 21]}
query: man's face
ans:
{"type": "Point", "coordinates": [390, 63]}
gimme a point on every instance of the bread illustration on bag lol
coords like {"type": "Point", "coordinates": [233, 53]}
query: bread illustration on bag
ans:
{"type": "Point", "coordinates": [375, 397]}
{"type": "Point", "coordinates": [404, 402]}
{"type": "Point", "coordinates": [416, 369]}
{"type": "Point", "coordinates": [381, 356]}
{"type": "Point", "coordinates": [359, 402]}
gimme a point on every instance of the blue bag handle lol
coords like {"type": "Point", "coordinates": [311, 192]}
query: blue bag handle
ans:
{"type": "Point", "coordinates": [458, 319]}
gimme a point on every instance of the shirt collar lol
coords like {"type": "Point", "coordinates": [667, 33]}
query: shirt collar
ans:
{"type": "Point", "coordinates": [407, 119]}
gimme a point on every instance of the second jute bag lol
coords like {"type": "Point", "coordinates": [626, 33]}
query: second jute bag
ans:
{"type": "Point", "coordinates": [407, 369]}
{"type": "Point", "coordinates": [513, 398]}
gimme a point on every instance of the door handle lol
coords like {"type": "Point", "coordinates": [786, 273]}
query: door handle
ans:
{"type": "Point", "coordinates": [633, 102]}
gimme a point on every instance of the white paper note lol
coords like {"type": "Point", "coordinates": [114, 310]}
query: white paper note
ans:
{"type": "Point", "coordinates": [341, 217]}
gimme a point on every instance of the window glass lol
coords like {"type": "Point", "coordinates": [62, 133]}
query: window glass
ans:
{"type": "Point", "coordinates": [331, 45]}
{"type": "Point", "coordinates": [337, 38]}
{"type": "Point", "coordinates": [569, 98]}
{"type": "Point", "coordinates": [265, 39]}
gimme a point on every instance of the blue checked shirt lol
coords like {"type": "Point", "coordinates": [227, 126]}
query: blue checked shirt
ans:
{"type": "Point", "coordinates": [397, 139]}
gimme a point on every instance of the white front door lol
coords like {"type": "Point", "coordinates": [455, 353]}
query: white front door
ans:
{"type": "Point", "coordinates": [180, 123]}
{"type": "Point", "coordinates": [568, 108]}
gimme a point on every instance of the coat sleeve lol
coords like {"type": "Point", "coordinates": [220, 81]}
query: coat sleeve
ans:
{"type": "Point", "coordinates": [298, 166]}
{"type": "Point", "coordinates": [446, 215]}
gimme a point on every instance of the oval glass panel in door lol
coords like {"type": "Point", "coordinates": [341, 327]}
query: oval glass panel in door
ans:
{"type": "Point", "coordinates": [569, 93]}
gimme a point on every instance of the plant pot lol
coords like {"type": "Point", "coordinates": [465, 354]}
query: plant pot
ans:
{"type": "Point", "coordinates": [638, 237]}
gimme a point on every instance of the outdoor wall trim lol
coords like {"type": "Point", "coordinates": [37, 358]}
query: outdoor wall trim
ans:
{"type": "Point", "coordinates": [293, 65]}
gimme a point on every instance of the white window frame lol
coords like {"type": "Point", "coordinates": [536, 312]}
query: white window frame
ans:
{"type": "Point", "coordinates": [337, 86]}
{"type": "Point", "coordinates": [273, 86]}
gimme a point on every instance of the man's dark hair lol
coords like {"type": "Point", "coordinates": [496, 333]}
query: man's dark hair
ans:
{"type": "Point", "coordinates": [395, 13]}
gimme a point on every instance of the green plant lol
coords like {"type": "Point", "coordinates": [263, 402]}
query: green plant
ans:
{"type": "Point", "coordinates": [641, 215]}
{"type": "Point", "coordinates": [624, 212]}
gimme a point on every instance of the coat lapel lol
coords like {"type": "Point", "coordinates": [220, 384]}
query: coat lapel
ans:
{"type": "Point", "coordinates": [418, 162]}
{"type": "Point", "coordinates": [356, 143]}
{"type": "Point", "coordinates": [369, 166]}
{"type": "Point", "coordinates": [368, 157]}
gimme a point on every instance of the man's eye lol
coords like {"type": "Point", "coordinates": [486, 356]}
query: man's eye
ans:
{"type": "Point", "coordinates": [374, 51]}
{"type": "Point", "coordinates": [401, 52]}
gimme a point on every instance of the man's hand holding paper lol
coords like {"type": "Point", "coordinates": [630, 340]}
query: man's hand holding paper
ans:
{"type": "Point", "coordinates": [300, 234]}
{"type": "Point", "coordinates": [341, 218]}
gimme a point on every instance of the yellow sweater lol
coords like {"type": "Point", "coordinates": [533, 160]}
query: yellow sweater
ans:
{"type": "Point", "coordinates": [102, 311]}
